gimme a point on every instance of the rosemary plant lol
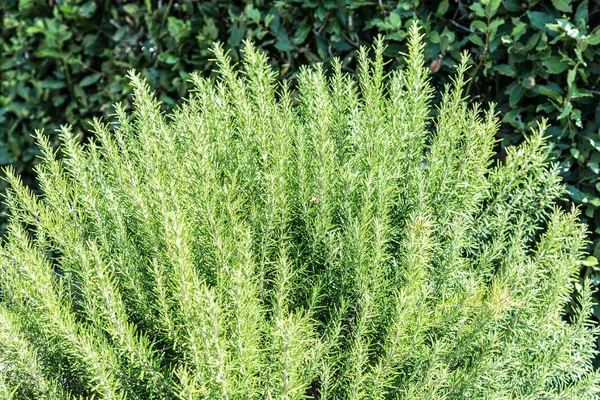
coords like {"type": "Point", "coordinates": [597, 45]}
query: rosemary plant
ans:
{"type": "Point", "coordinates": [333, 242]}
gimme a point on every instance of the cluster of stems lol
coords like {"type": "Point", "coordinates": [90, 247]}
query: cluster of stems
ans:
{"type": "Point", "coordinates": [334, 241]}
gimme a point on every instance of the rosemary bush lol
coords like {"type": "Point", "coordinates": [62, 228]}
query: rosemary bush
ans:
{"type": "Point", "coordinates": [257, 243]}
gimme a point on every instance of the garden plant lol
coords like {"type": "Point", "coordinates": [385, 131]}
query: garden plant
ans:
{"type": "Point", "coordinates": [328, 242]}
{"type": "Point", "coordinates": [66, 61]}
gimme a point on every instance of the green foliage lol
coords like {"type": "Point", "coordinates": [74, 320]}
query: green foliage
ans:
{"type": "Point", "coordinates": [330, 242]}
{"type": "Point", "coordinates": [66, 61]}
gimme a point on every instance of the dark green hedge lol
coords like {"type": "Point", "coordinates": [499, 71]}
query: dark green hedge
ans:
{"type": "Point", "coordinates": [65, 61]}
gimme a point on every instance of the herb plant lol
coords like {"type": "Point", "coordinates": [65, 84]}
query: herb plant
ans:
{"type": "Point", "coordinates": [329, 243]}
{"type": "Point", "coordinates": [66, 61]}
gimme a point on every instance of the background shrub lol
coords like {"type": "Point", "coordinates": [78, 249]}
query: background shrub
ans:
{"type": "Point", "coordinates": [64, 61]}
{"type": "Point", "coordinates": [334, 242]}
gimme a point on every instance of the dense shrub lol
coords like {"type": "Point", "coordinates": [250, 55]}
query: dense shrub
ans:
{"type": "Point", "coordinates": [65, 61]}
{"type": "Point", "coordinates": [333, 242]}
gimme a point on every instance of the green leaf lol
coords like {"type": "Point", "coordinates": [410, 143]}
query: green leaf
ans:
{"type": "Point", "coordinates": [545, 107]}
{"type": "Point", "coordinates": [53, 84]}
{"type": "Point", "coordinates": [581, 15]}
{"type": "Point", "coordinates": [167, 58]}
{"type": "Point", "coordinates": [571, 76]}
{"type": "Point", "coordinates": [505, 69]}
{"type": "Point", "coordinates": [479, 26]}
{"type": "Point", "coordinates": [577, 195]}
{"type": "Point", "coordinates": [301, 34]}
{"type": "Point", "coordinates": [48, 53]}
{"type": "Point", "coordinates": [178, 29]}
{"type": "Point", "coordinates": [87, 9]}
{"type": "Point", "coordinates": [555, 65]}
{"type": "Point", "coordinates": [589, 261]}
{"type": "Point", "coordinates": [576, 116]}
{"type": "Point", "coordinates": [268, 18]}
{"type": "Point", "coordinates": [512, 6]}
{"type": "Point", "coordinates": [59, 100]}
{"type": "Point", "coordinates": [89, 80]}
{"type": "Point", "coordinates": [478, 9]}
{"type": "Point", "coordinates": [237, 33]}
{"type": "Point", "coordinates": [577, 93]}
{"type": "Point", "coordinates": [395, 20]}
{"type": "Point", "coordinates": [566, 110]}
{"type": "Point", "coordinates": [284, 45]}
{"type": "Point", "coordinates": [594, 37]}
{"type": "Point", "coordinates": [516, 94]}
{"type": "Point", "coordinates": [442, 8]}
{"type": "Point", "coordinates": [563, 5]}
{"type": "Point", "coordinates": [495, 24]}
{"type": "Point", "coordinates": [548, 92]}
{"type": "Point", "coordinates": [320, 13]}
{"type": "Point", "coordinates": [532, 41]}
{"type": "Point", "coordinates": [494, 4]}
{"type": "Point", "coordinates": [475, 39]}
{"type": "Point", "coordinates": [434, 37]}
{"type": "Point", "coordinates": [540, 19]}
{"type": "Point", "coordinates": [81, 96]}
{"type": "Point", "coordinates": [519, 29]}
{"type": "Point", "coordinates": [131, 9]}
{"type": "Point", "coordinates": [23, 91]}
{"type": "Point", "coordinates": [272, 20]}
{"type": "Point", "coordinates": [447, 37]}
{"type": "Point", "coordinates": [252, 13]}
